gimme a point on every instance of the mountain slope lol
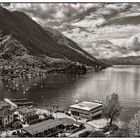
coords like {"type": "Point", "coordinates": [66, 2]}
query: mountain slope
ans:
{"type": "Point", "coordinates": [64, 41]}
{"type": "Point", "coordinates": [39, 42]}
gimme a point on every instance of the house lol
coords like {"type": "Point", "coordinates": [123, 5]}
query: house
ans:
{"type": "Point", "coordinates": [6, 114]}
{"type": "Point", "coordinates": [71, 125]}
{"type": "Point", "coordinates": [27, 112]}
{"type": "Point", "coordinates": [86, 109]}
{"type": "Point", "coordinates": [68, 122]}
{"type": "Point", "coordinates": [46, 128]}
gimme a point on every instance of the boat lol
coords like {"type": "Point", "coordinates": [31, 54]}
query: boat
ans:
{"type": "Point", "coordinates": [98, 101]}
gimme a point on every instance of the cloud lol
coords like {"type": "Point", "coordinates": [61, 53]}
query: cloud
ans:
{"type": "Point", "coordinates": [58, 13]}
{"type": "Point", "coordinates": [90, 49]}
{"type": "Point", "coordinates": [132, 44]}
{"type": "Point", "coordinates": [107, 49]}
{"type": "Point", "coordinates": [49, 12]}
{"type": "Point", "coordinates": [103, 29]}
{"type": "Point", "coordinates": [90, 23]}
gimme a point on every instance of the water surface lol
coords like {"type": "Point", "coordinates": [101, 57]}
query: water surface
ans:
{"type": "Point", "coordinates": [65, 89]}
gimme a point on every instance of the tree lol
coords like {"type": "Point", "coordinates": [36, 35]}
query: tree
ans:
{"type": "Point", "coordinates": [97, 134]}
{"type": "Point", "coordinates": [57, 109]}
{"type": "Point", "coordinates": [112, 108]}
{"type": "Point", "coordinates": [16, 125]}
{"type": "Point", "coordinates": [46, 107]}
{"type": "Point", "coordinates": [134, 125]}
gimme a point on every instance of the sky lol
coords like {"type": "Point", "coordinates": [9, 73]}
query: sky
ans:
{"type": "Point", "coordinates": [103, 29]}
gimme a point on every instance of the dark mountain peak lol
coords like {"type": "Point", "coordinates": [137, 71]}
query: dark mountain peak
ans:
{"type": "Point", "coordinates": [40, 42]}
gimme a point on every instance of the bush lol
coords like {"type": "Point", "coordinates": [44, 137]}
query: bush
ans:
{"type": "Point", "coordinates": [14, 133]}
{"type": "Point", "coordinates": [16, 119]}
{"type": "Point", "coordinates": [33, 121]}
{"type": "Point", "coordinates": [111, 128]}
{"type": "Point", "coordinates": [1, 128]}
{"type": "Point", "coordinates": [92, 134]}
{"type": "Point", "coordinates": [15, 115]}
{"type": "Point", "coordinates": [120, 133]}
{"type": "Point", "coordinates": [97, 134]}
{"type": "Point", "coordinates": [85, 134]}
{"type": "Point", "coordinates": [16, 125]}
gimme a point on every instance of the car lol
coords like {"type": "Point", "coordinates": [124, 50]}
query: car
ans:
{"type": "Point", "coordinates": [14, 133]}
{"type": "Point", "coordinates": [67, 113]}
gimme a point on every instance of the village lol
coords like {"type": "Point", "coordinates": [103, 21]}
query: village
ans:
{"type": "Point", "coordinates": [19, 118]}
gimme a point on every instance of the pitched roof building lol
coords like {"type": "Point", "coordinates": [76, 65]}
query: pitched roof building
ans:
{"type": "Point", "coordinates": [47, 127]}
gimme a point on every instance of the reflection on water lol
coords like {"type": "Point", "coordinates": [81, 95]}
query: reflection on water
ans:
{"type": "Point", "coordinates": [64, 90]}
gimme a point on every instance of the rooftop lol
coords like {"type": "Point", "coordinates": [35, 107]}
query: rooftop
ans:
{"type": "Point", "coordinates": [25, 110]}
{"type": "Point", "coordinates": [69, 121]}
{"type": "Point", "coordinates": [40, 127]}
{"type": "Point", "coordinates": [86, 105]}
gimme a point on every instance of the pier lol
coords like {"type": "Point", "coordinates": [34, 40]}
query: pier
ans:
{"type": "Point", "coordinates": [15, 103]}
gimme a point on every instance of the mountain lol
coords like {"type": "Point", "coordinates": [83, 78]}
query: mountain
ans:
{"type": "Point", "coordinates": [37, 44]}
{"type": "Point", "coordinates": [129, 60]}
{"type": "Point", "coordinates": [63, 41]}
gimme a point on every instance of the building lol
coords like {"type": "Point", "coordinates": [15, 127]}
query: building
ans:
{"type": "Point", "coordinates": [68, 122]}
{"type": "Point", "coordinates": [51, 127]}
{"type": "Point", "coordinates": [71, 125]}
{"type": "Point", "coordinates": [86, 109]}
{"type": "Point", "coordinates": [46, 128]}
{"type": "Point", "coordinates": [27, 111]}
{"type": "Point", "coordinates": [6, 114]}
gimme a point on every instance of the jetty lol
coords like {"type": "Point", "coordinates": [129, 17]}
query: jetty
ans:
{"type": "Point", "coordinates": [15, 103]}
{"type": "Point", "coordinates": [24, 103]}
{"type": "Point", "coordinates": [19, 100]}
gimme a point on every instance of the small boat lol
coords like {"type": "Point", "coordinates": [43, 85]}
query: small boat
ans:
{"type": "Point", "coordinates": [76, 101]}
{"type": "Point", "coordinates": [98, 101]}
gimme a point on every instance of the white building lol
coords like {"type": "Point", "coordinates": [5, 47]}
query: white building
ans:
{"type": "Point", "coordinates": [86, 109]}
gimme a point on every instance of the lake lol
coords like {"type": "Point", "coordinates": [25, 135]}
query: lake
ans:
{"type": "Point", "coordinates": [65, 89]}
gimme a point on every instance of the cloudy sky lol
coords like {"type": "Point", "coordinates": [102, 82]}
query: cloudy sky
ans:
{"type": "Point", "coordinates": [102, 29]}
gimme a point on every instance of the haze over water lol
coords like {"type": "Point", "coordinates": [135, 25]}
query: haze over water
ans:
{"type": "Point", "coordinates": [64, 90]}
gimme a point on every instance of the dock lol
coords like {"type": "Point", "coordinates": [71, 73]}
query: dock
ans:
{"type": "Point", "coordinates": [24, 103]}
{"type": "Point", "coordinates": [19, 100]}
{"type": "Point", "coordinates": [15, 103]}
